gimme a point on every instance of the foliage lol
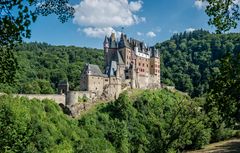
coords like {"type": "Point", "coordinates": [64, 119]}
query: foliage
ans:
{"type": "Point", "coordinates": [189, 59]}
{"type": "Point", "coordinates": [51, 64]}
{"type": "Point", "coordinates": [154, 121]}
{"type": "Point", "coordinates": [224, 14]}
{"type": "Point", "coordinates": [8, 65]}
{"type": "Point", "coordinates": [16, 16]}
{"type": "Point", "coordinates": [40, 126]}
{"type": "Point", "coordinates": [223, 100]}
{"type": "Point", "coordinates": [157, 121]}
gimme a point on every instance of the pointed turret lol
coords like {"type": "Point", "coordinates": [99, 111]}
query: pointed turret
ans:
{"type": "Point", "coordinates": [106, 42]}
{"type": "Point", "coordinates": [106, 47]}
{"type": "Point", "coordinates": [123, 41]}
{"type": "Point", "coordinates": [113, 42]}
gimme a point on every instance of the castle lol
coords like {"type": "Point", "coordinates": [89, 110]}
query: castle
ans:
{"type": "Point", "coordinates": [129, 63]}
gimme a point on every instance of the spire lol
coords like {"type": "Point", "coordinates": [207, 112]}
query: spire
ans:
{"type": "Point", "coordinates": [106, 42]}
{"type": "Point", "coordinates": [113, 38]}
{"type": "Point", "coordinates": [112, 41]}
{"type": "Point", "coordinates": [123, 41]}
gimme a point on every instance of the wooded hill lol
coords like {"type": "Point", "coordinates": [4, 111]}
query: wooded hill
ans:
{"type": "Point", "coordinates": [43, 66]}
{"type": "Point", "coordinates": [187, 61]}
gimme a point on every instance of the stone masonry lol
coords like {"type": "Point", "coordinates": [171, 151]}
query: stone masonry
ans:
{"type": "Point", "coordinates": [129, 63]}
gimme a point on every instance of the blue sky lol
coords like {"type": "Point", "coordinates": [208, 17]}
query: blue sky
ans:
{"type": "Point", "coordinates": [149, 20]}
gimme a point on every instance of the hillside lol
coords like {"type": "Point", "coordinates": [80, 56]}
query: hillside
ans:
{"type": "Point", "coordinates": [189, 59]}
{"type": "Point", "coordinates": [43, 66]}
{"type": "Point", "coordinates": [152, 122]}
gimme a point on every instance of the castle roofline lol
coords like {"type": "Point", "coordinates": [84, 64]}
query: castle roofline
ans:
{"type": "Point", "coordinates": [94, 70]}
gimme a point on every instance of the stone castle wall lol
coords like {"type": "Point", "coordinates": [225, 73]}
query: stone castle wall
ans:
{"type": "Point", "coordinates": [57, 98]}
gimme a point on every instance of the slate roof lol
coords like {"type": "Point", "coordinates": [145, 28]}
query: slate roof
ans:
{"type": "Point", "coordinates": [118, 58]}
{"type": "Point", "coordinates": [112, 69]}
{"type": "Point", "coordinates": [123, 42]}
{"type": "Point", "coordinates": [94, 70]}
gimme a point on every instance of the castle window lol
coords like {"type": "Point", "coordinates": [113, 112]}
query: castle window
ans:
{"type": "Point", "coordinates": [139, 64]}
{"type": "Point", "coordinates": [147, 65]}
{"type": "Point", "coordinates": [151, 65]}
{"type": "Point", "coordinates": [143, 64]}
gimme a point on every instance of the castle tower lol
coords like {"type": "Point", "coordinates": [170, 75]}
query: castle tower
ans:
{"type": "Point", "coordinates": [155, 66]}
{"type": "Point", "coordinates": [106, 47]}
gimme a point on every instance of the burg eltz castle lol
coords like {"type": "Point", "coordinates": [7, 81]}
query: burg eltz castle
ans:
{"type": "Point", "coordinates": [129, 63]}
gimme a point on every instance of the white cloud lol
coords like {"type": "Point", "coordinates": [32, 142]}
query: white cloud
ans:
{"type": "Point", "coordinates": [139, 33]}
{"type": "Point", "coordinates": [200, 4]}
{"type": "Point", "coordinates": [190, 29]}
{"type": "Point", "coordinates": [135, 6]}
{"type": "Point", "coordinates": [236, 2]}
{"type": "Point", "coordinates": [99, 32]}
{"type": "Point", "coordinates": [151, 34]}
{"type": "Point", "coordinates": [107, 13]}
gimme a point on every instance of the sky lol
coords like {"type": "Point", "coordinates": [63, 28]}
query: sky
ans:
{"type": "Point", "coordinates": [151, 21]}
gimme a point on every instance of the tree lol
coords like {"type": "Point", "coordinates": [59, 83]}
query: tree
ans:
{"type": "Point", "coordinates": [224, 14]}
{"type": "Point", "coordinates": [224, 91]}
{"type": "Point", "coordinates": [15, 26]}
{"type": "Point", "coordinates": [15, 18]}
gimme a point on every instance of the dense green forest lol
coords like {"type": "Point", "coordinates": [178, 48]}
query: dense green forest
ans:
{"type": "Point", "coordinates": [154, 121]}
{"type": "Point", "coordinates": [189, 59]}
{"type": "Point", "coordinates": [43, 66]}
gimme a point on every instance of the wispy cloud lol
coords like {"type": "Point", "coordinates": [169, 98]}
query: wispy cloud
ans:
{"type": "Point", "coordinates": [151, 34]}
{"type": "Point", "coordinates": [139, 34]}
{"type": "Point", "coordinates": [199, 4]}
{"type": "Point", "coordinates": [190, 29]}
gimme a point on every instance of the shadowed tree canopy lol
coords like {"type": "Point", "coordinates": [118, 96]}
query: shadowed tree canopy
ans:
{"type": "Point", "coordinates": [17, 15]}
{"type": "Point", "coordinates": [15, 18]}
{"type": "Point", "coordinates": [224, 14]}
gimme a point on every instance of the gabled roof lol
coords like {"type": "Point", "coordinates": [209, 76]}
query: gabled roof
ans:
{"type": "Point", "coordinates": [112, 69]}
{"type": "Point", "coordinates": [94, 70]}
{"type": "Point", "coordinates": [118, 58]}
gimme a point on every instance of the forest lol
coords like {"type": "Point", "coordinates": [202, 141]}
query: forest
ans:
{"type": "Point", "coordinates": [154, 121]}
{"type": "Point", "coordinates": [41, 67]}
{"type": "Point", "coordinates": [189, 60]}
